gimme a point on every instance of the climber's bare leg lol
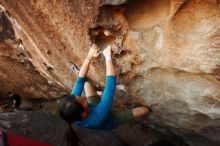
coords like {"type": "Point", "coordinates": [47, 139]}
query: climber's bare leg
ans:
{"type": "Point", "coordinates": [89, 89]}
{"type": "Point", "coordinates": [140, 112]}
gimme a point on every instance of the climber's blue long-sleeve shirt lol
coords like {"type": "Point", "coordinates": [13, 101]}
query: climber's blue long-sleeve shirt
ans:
{"type": "Point", "coordinates": [99, 116]}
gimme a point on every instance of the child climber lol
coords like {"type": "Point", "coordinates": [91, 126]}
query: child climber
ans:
{"type": "Point", "coordinates": [95, 112]}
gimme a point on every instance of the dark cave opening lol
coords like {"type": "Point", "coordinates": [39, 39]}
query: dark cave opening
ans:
{"type": "Point", "coordinates": [102, 37]}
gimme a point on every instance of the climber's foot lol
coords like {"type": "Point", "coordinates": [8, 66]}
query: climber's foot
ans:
{"type": "Point", "coordinates": [140, 112]}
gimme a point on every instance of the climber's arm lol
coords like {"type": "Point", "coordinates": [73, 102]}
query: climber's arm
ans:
{"type": "Point", "coordinates": [104, 106]}
{"type": "Point", "coordinates": [110, 71]}
{"type": "Point", "coordinates": [79, 84]}
{"type": "Point", "coordinates": [93, 52]}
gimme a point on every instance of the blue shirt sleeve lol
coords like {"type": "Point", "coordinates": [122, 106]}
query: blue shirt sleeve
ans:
{"type": "Point", "coordinates": [104, 106]}
{"type": "Point", "coordinates": [78, 86]}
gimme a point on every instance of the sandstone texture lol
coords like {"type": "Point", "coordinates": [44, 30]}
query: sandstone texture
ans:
{"type": "Point", "coordinates": [166, 53]}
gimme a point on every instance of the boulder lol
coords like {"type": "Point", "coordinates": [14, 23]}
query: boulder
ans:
{"type": "Point", "coordinates": [166, 53]}
{"type": "Point", "coordinates": [40, 126]}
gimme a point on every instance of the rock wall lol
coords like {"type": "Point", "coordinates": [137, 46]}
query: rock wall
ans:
{"type": "Point", "coordinates": [17, 73]}
{"type": "Point", "coordinates": [166, 53]}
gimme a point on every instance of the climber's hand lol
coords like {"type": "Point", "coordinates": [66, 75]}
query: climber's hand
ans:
{"type": "Point", "coordinates": [93, 52]}
{"type": "Point", "coordinates": [107, 51]}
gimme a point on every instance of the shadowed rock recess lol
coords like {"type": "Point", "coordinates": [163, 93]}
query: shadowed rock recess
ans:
{"type": "Point", "coordinates": [166, 53]}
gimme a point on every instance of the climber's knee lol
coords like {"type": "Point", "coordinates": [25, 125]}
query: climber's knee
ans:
{"type": "Point", "coordinates": [140, 112]}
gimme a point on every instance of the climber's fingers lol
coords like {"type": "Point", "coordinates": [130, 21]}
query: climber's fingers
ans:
{"type": "Point", "coordinates": [93, 52]}
{"type": "Point", "coordinates": [107, 51]}
{"type": "Point", "coordinates": [97, 54]}
{"type": "Point", "coordinates": [95, 47]}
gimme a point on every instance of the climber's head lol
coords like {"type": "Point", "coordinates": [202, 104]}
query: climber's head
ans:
{"type": "Point", "coordinates": [73, 108]}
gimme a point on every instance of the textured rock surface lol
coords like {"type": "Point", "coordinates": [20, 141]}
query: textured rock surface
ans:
{"type": "Point", "coordinates": [131, 133]}
{"type": "Point", "coordinates": [17, 73]}
{"type": "Point", "coordinates": [167, 54]}
{"type": "Point", "coordinates": [37, 126]}
{"type": "Point", "coordinates": [51, 129]}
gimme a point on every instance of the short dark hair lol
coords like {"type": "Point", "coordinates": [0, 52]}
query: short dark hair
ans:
{"type": "Point", "coordinates": [70, 109]}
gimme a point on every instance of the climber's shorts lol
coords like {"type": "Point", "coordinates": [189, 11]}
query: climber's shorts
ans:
{"type": "Point", "coordinates": [119, 117]}
{"type": "Point", "coordinates": [93, 99]}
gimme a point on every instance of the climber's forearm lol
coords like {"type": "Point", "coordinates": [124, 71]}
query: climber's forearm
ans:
{"type": "Point", "coordinates": [110, 71]}
{"type": "Point", "coordinates": [80, 81]}
{"type": "Point", "coordinates": [85, 67]}
{"type": "Point", "coordinates": [93, 52]}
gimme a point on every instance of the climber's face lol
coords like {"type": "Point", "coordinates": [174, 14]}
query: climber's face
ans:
{"type": "Point", "coordinates": [82, 100]}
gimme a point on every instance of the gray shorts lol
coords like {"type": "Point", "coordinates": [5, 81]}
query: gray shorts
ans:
{"type": "Point", "coordinates": [119, 117]}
